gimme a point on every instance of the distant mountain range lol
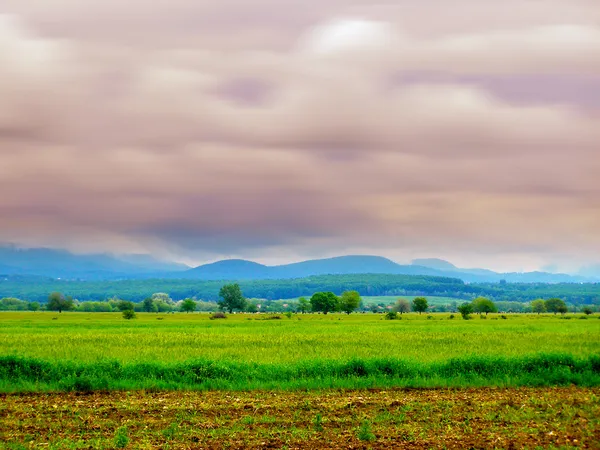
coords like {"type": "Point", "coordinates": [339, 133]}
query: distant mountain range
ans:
{"type": "Point", "coordinates": [236, 269]}
{"type": "Point", "coordinates": [62, 264]}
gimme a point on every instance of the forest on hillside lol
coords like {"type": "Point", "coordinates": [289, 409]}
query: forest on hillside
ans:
{"type": "Point", "coordinates": [38, 289]}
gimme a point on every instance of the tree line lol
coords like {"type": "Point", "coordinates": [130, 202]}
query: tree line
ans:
{"type": "Point", "coordinates": [232, 299]}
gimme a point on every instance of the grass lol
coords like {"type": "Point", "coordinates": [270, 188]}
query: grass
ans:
{"type": "Point", "coordinates": [83, 352]}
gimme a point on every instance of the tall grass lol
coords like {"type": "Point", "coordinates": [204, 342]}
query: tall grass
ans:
{"type": "Point", "coordinates": [27, 374]}
{"type": "Point", "coordinates": [78, 351]}
{"type": "Point", "coordinates": [179, 337]}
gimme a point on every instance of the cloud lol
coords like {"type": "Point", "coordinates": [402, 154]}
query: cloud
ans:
{"type": "Point", "coordinates": [198, 130]}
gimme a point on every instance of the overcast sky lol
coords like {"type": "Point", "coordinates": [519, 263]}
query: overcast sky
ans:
{"type": "Point", "coordinates": [279, 130]}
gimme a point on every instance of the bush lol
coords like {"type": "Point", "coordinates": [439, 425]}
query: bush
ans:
{"type": "Point", "coordinates": [391, 315]}
{"type": "Point", "coordinates": [218, 315]}
{"type": "Point", "coordinates": [429, 317]}
{"type": "Point", "coordinates": [451, 316]}
{"type": "Point", "coordinates": [129, 314]}
{"type": "Point", "coordinates": [587, 311]}
{"type": "Point", "coordinates": [503, 317]}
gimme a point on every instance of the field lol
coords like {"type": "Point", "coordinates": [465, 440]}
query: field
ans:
{"type": "Point", "coordinates": [91, 351]}
{"type": "Point", "coordinates": [96, 380]}
{"type": "Point", "coordinates": [465, 418]}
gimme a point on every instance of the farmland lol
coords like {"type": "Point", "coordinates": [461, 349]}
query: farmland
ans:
{"type": "Point", "coordinates": [467, 418]}
{"type": "Point", "coordinates": [96, 380]}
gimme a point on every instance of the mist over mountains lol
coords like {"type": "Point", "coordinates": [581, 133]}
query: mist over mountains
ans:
{"type": "Point", "coordinates": [65, 265]}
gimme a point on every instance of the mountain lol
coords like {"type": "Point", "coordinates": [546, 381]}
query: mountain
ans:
{"type": "Point", "coordinates": [434, 263]}
{"type": "Point", "coordinates": [63, 264]}
{"type": "Point", "coordinates": [237, 269]}
{"type": "Point", "coordinates": [54, 263]}
{"type": "Point", "coordinates": [229, 269]}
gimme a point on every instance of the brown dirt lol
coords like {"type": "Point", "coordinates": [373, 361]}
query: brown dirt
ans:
{"type": "Point", "coordinates": [414, 419]}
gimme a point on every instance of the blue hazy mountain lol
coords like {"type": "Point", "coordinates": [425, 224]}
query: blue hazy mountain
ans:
{"type": "Point", "coordinates": [55, 263]}
{"type": "Point", "coordinates": [356, 264]}
{"type": "Point", "coordinates": [63, 264]}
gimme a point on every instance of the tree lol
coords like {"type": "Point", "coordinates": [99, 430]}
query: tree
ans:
{"type": "Point", "coordinates": [124, 305]}
{"type": "Point", "coordinates": [538, 306]}
{"type": "Point", "coordinates": [33, 306]}
{"type": "Point", "coordinates": [349, 301]}
{"type": "Point", "coordinates": [231, 298]}
{"type": "Point", "coordinates": [555, 305]}
{"type": "Point", "coordinates": [162, 297]}
{"type": "Point", "coordinates": [252, 307]}
{"type": "Point", "coordinates": [587, 310]}
{"type": "Point", "coordinates": [484, 305]}
{"type": "Point", "coordinates": [324, 302]}
{"type": "Point", "coordinates": [420, 305]}
{"type": "Point", "coordinates": [60, 303]}
{"type": "Point", "coordinates": [465, 310]}
{"type": "Point", "coordinates": [188, 305]}
{"type": "Point", "coordinates": [303, 305]}
{"type": "Point", "coordinates": [149, 305]}
{"type": "Point", "coordinates": [402, 306]}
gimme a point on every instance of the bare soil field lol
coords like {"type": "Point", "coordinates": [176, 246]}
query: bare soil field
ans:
{"type": "Point", "coordinates": [567, 417]}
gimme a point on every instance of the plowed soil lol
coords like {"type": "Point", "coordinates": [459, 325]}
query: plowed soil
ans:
{"type": "Point", "coordinates": [468, 418]}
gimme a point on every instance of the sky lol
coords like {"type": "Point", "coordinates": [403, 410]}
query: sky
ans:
{"type": "Point", "coordinates": [278, 131]}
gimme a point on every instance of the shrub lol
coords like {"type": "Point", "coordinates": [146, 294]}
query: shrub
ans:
{"type": "Point", "coordinates": [129, 314]}
{"type": "Point", "coordinates": [503, 317]}
{"type": "Point", "coordinates": [391, 315]}
{"type": "Point", "coordinates": [429, 317]}
{"type": "Point", "coordinates": [587, 311]}
{"type": "Point", "coordinates": [218, 315]}
{"type": "Point", "coordinates": [451, 316]}
{"type": "Point", "coordinates": [288, 314]}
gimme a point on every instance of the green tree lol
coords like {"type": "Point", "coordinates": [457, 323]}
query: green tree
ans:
{"type": "Point", "coordinates": [556, 305]}
{"type": "Point", "coordinates": [60, 303]}
{"type": "Point", "coordinates": [231, 298]}
{"type": "Point", "coordinates": [124, 305]}
{"type": "Point", "coordinates": [188, 305]}
{"type": "Point", "coordinates": [149, 305]}
{"type": "Point", "coordinates": [587, 310]}
{"type": "Point", "coordinates": [324, 302]}
{"type": "Point", "coordinates": [484, 305]}
{"type": "Point", "coordinates": [349, 301]}
{"type": "Point", "coordinates": [303, 305]}
{"type": "Point", "coordinates": [420, 305]}
{"type": "Point", "coordinates": [251, 307]}
{"type": "Point", "coordinates": [465, 310]}
{"type": "Point", "coordinates": [33, 306]}
{"type": "Point", "coordinates": [402, 306]}
{"type": "Point", "coordinates": [538, 306]}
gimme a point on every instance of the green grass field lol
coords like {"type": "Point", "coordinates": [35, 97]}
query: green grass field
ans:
{"type": "Point", "coordinates": [49, 351]}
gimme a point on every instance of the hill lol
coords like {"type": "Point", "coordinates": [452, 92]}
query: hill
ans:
{"type": "Point", "coordinates": [63, 264]}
